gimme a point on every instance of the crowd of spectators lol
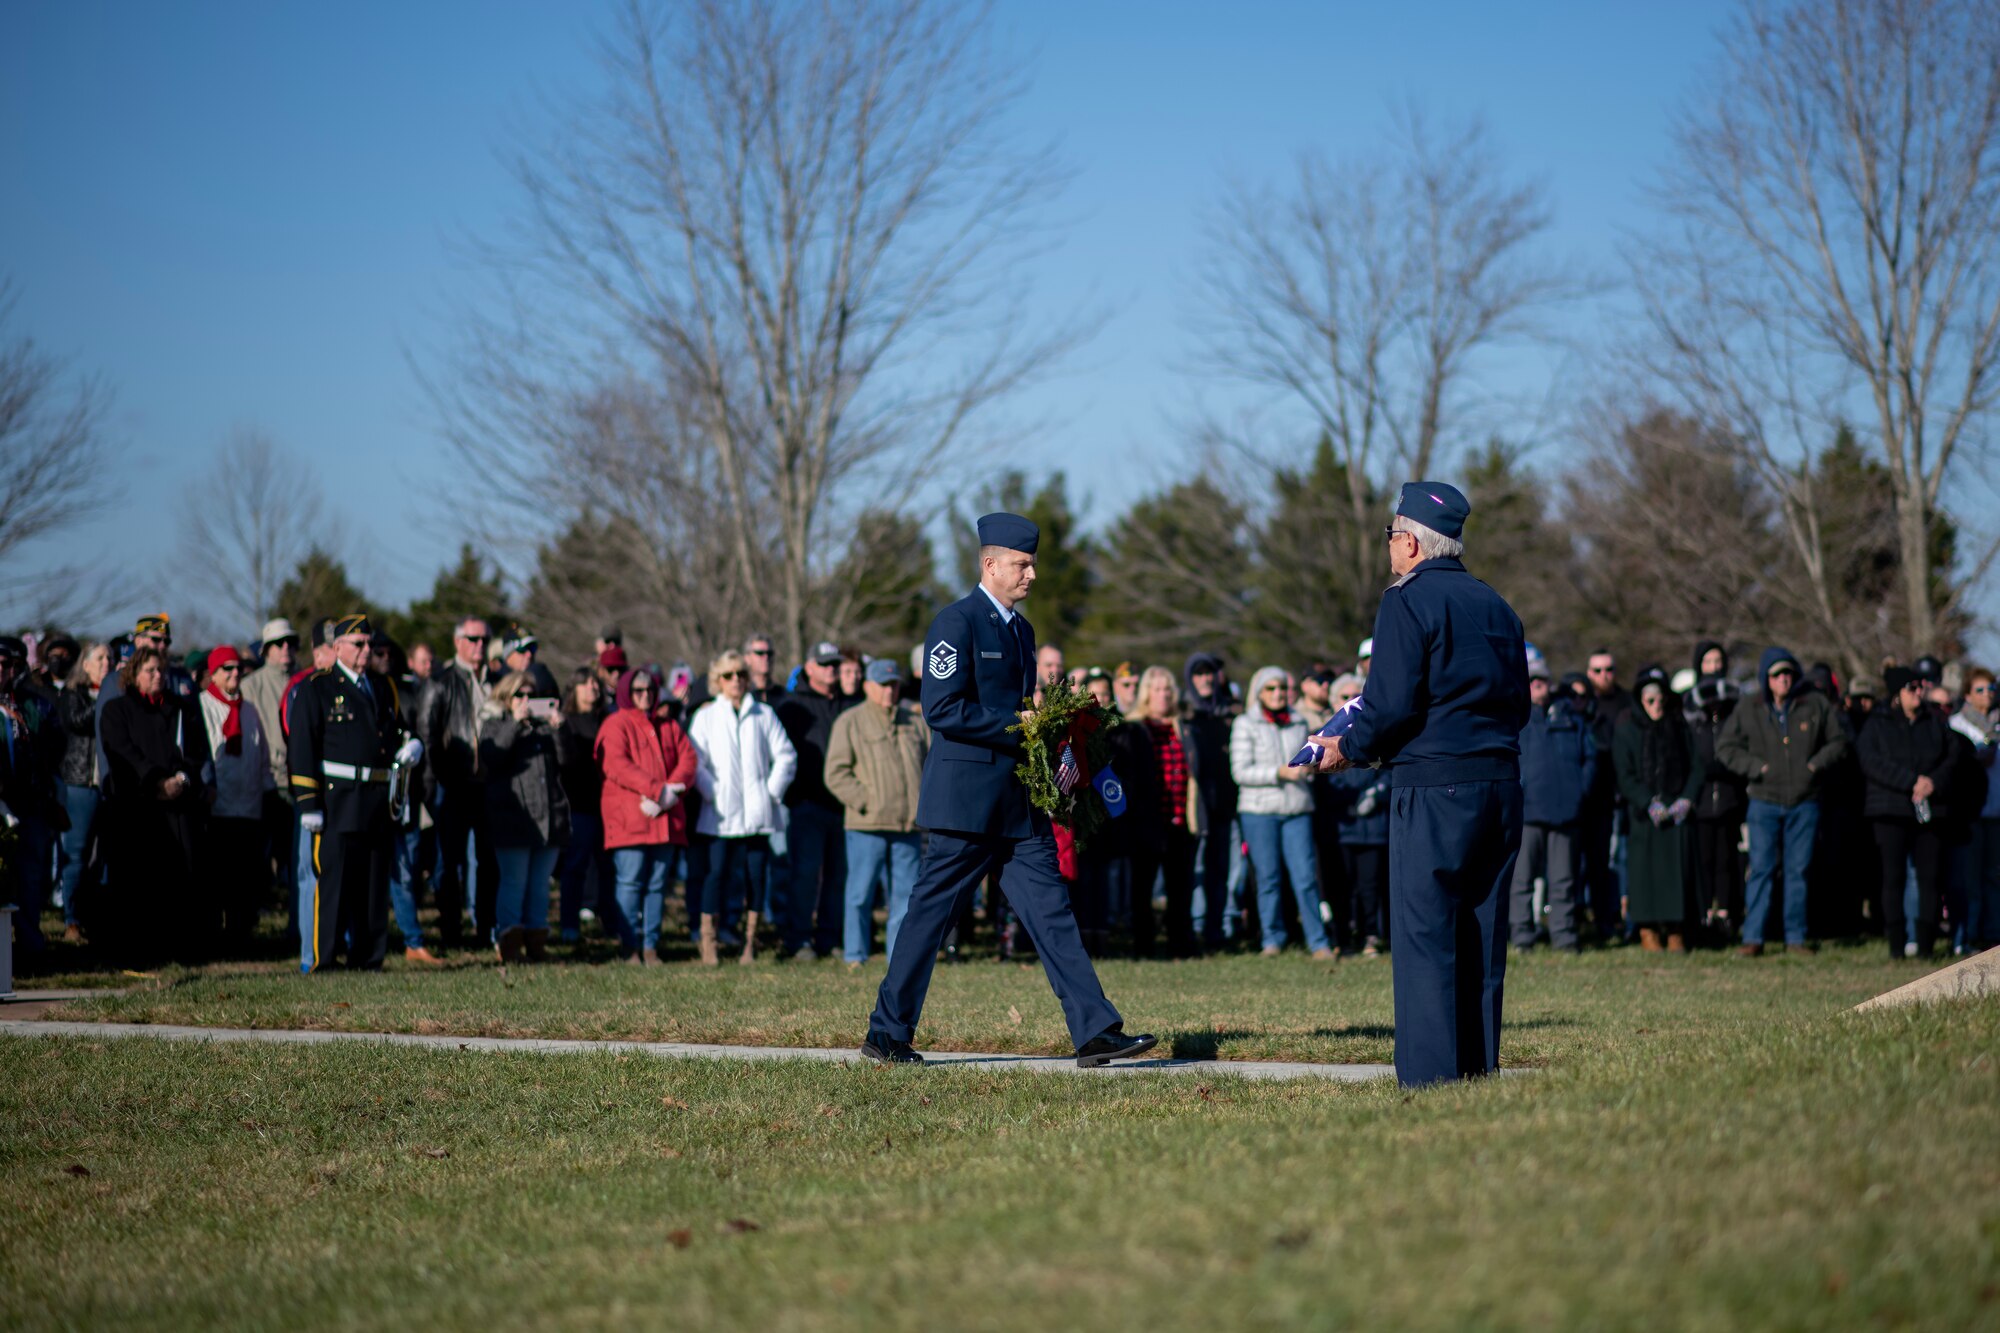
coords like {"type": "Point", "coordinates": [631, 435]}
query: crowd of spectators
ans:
{"type": "Point", "coordinates": [146, 799]}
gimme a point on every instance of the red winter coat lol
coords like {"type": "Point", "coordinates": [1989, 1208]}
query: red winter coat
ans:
{"type": "Point", "coordinates": [639, 757]}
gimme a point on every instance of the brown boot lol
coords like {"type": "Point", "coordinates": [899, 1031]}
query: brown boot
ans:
{"type": "Point", "coordinates": [749, 939]}
{"type": "Point", "coordinates": [508, 946]}
{"type": "Point", "coordinates": [1649, 939]}
{"type": "Point", "coordinates": [1676, 943]}
{"type": "Point", "coordinates": [1749, 951]}
{"type": "Point", "coordinates": [538, 946]}
{"type": "Point", "coordinates": [708, 956]}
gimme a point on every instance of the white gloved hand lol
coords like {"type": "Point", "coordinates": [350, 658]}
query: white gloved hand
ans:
{"type": "Point", "coordinates": [413, 750]}
{"type": "Point", "coordinates": [670, 795]}
{"type": "Point", "coordinates": [649, 807]}
{"type": "Point", "coordinates": [312, 821]}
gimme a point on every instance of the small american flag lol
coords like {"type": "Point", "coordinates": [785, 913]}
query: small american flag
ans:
{"type": "Point", "coordinates": [1067, 773]}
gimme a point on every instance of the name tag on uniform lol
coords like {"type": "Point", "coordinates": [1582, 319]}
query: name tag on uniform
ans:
{"type": "Point", "coordinates": [995, 656]}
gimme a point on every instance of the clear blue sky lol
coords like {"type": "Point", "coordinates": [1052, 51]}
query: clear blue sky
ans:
{"type": "Point", "coordinates": [244, 213]}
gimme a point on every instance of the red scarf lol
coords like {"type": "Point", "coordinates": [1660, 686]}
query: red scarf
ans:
{"type": "Point", "coordinates": [232, 726]}
{"type": "Point", "coordinates": [1281, 718]}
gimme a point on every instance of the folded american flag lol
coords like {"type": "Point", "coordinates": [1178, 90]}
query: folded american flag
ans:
{"type": "Point", "coordinates": [1337, 725]}
{"type": "Point", "coordinates": [1067, 773]}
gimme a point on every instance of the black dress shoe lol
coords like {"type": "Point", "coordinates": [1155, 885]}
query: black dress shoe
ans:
{"type": "Point", "coordinates": [889, 1051]}
{"type": "Point", "coordinates": [1113, 1045]}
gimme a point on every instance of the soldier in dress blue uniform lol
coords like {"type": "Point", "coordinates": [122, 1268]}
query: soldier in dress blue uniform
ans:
{"type": "Point", "coordinates": [346, 733]}
{"type": "Point", "coordinates": [1446, 699]}
{"type": "Point", "coordinates": [979, 662]}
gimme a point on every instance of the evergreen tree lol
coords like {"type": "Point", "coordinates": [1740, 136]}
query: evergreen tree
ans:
{"type": "Point", "coordinates": [318, 589]}
{"type": "Point", "coordinates": [468, 588]}
{"type": "Point", "coordinates": [1174, 576]}
{"type": "Point", "coordinates": [888, 584]}
{"type": "Point", "coordinates": [1300, 609]}
{"type": "Point", "coordinates": [1513, 545]}
{"type": "Point", "coordinates": [1061, 598]}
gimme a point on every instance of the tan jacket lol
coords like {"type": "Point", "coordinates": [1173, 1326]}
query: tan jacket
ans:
{"type": "Point", "coordinates": [875, 764]}
{"type": "Point", "coordinates": [264, 689]}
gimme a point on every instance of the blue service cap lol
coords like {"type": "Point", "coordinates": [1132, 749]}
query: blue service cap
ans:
{"type": "Point", "coordinates": [1438, 506]}
{"type": "Point", "coordinates": [1009, 530]}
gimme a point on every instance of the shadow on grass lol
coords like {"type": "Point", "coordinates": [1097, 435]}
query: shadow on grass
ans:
{"type": "Point", "coordinates": [1208, 1045]}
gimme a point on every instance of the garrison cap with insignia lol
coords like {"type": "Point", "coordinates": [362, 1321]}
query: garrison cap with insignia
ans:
{"type": "Point", "coordinates": [1440, 507]}
{"type": "Point", "coordinates": [354, 622]}
{"type": "Point", "coordinates": [1009, 530]}
{"type": "Point", "coordinates": [153, 625]}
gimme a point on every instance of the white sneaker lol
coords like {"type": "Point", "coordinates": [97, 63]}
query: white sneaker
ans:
{"type": "Point", "coordinates": [585, 914]}
{"type": "Point", "coordinates": [1910, 949]}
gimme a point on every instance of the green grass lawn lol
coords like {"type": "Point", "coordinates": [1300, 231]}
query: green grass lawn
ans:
{"type": "Point", "coordinates": [1234, 1006]}
{"type": "Point", "coordinates": [1710, 1146]}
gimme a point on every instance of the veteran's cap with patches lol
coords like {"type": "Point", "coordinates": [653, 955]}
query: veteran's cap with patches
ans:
{"type": "Point", "coordinates": [156, 625]}
{"type": "Point", "coordinates": [1011, 531]}
{"type": "Point", "coordinates": [1438, 506]}
{"type": "Point", "coordinates": [354, 622]}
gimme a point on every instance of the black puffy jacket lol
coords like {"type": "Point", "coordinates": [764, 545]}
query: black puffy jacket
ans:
{"type": "Point", "coordinates": [1895, 750]}
{"type": "Point", "coordinates": [77, 706]}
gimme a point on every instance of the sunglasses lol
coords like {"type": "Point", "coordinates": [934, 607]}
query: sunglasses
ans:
{"type": "Point", "coordinates": [756, 652]}
{"type": "Point", "coordinates": [642, 687]}
{"type": "Point", "coordinates": [1789, 674]}
{"type": "Point", "coordinates": [475, 638]}
{"type": "Point", "coordinates": [1603, 671]}
{"type": "Point", "coordinates": [1981, 689]}
{"type": "Point", "coordinates": [729, 675]}
{"type": "Point", "coordinates": [1392, 533]}
{"type": "Point", "coordinates": [229, 666]}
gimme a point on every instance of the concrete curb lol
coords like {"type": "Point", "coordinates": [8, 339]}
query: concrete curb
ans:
{"type": "Point", "coordinates": [1251, 1069]}
{"type": "Point", "coordinates": [1968, 978]}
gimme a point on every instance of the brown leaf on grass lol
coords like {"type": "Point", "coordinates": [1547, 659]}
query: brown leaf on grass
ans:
{"type": "Point", "coordinates": [739, 1225]}
{"type": "Point", "coordinates": [670, 1153]}
{"type": "Point", "coordinates": [435, 1154]}
{"type": "Point", "coordinates": [673, 1103]}
{"type": "Point", "coordinates": [680, 1238]}
{"type": "Point", "coordinates": [327, 1171]}
{"type": "Point", "coordinates": [77, 1169]}
{"type": "Point", "coordinates": [923, 1101]}
{"type": "Point", "coordinates": [1013, 1015]}
{"type": "Point", "coordinates": [829, 1110]}
{"type": "Point", "coordinates": [1205, 1092]}
{"type": "Point", "coordinates": [1836, 1282]}
{"type": "Point", "coordinates": [342, 1004]}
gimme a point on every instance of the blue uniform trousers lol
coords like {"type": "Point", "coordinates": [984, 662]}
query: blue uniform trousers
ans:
{"type": "Point", "coordinates": [1451, 859]}
{"type": "Point", "coordinates": [954, 866]}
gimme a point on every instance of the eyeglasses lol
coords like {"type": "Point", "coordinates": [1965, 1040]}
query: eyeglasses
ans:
{"type": "Point", "coordinates": [475, 638]}
{"type": "Point", "coordinates": [1790, 674]}
{"type": "Point", "coordinates": [729, 675]}
{"type": "Point", "coordinates": [756, 652]}
{"type": "Point", "coordinates": [1392, 533]}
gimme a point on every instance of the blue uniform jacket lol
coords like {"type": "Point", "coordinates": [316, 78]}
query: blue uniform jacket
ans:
{"type": "Point", "coordinates": [1447, 692]}
{"type": "Point", "coordinates": [977, 671]}
{"type": "Point", "coordinates": [1558, 764]}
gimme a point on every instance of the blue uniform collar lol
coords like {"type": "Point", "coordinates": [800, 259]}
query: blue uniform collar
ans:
{"type": "Point", "coordinates": [1006, 615]}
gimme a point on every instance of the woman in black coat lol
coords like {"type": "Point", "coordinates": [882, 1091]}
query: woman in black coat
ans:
{"type": "Point", "coordinates": [156, 747]}
{"type": "Point", "coordinates": [1907, 758]}
{"type": "Point", "coordinates": [1718, 808]}
{"type": "Point", "coordinates": [1654, 757]}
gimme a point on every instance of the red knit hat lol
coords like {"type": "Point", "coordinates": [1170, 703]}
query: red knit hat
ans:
{"type": "Point", "coordinates": [224, 653]}
{"type": "Point", "coordinates": [612, 658]}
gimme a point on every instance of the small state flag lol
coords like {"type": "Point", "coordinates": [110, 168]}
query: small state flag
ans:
{"type": "Point", "coordinates": [1067, 773]}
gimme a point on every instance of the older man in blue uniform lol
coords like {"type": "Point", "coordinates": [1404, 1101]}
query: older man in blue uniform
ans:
{"type": "Point", "coordinates": [979, 663]}
{"type": "Point", "coordinates": [1446, 699]}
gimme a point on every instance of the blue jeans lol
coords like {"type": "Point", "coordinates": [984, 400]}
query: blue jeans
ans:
{"type": "Point", "coordinates": [403, 885]}
{"type": "Point", "coordinates": [1779, 831]}
{"type": "Point", "coordinates": [867, 854]}
{"type": "Point", "coordinates": [304, 884]}
{"type": "Point", "coordinates": [81, 803]}
{"type": "Point", "coordinates": [523, 901]}
{"type": "Point", "coordinates": [817, 847]}
{"type": "Point", "coordinates": [584, 849]}
{"type": "Point", "coordinates": [1288, 838]}
{"type": "Point", "coordinates": [642, 894]}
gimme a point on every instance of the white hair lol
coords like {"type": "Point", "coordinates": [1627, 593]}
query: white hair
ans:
{"type": "Point", "coordinates": [1431, 544]}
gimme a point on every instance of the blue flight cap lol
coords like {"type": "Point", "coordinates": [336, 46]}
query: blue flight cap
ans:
{"type": "Point", "coordinates": [1009, 530]}
{"type": "Point", "coordinates": [1440, 507]}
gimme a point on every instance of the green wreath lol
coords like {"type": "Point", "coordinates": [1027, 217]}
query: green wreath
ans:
{"type": "Point", "coordinates": [1066, 714]}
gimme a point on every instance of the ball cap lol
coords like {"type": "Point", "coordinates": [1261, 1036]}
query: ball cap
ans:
{"type": "Point", "coordinates": [153, 625]}
{"type": "Point", "coordinates": [612, 658]}
{"type": "Point", "coordinates": [827, 654]}
{"type": "Point", "coordinates": [884, 671]}
{"type": "Point", "coordinates": [1011, 531]}
{"type": "Point", "coordinates": [1437, 505]}
{"type": "Point", "coordinates": [277, 630]}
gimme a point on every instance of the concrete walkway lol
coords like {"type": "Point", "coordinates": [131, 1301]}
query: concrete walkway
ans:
{"type": "Point", "coordinates": [33, 1027]}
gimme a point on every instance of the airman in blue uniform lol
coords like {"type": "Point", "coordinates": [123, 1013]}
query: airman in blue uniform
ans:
{"type": "Point", "coordinates": [1446, 699]}
{"type": "Point", "coordinates": [979, 661]}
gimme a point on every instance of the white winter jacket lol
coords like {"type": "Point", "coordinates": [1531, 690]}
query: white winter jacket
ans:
{"type": "Point", "coordinates": [744, 762]}
{"type": "Point", "coordinates": [1257, 750]}
{"type": "Point", "coordinates": [240, 779]}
